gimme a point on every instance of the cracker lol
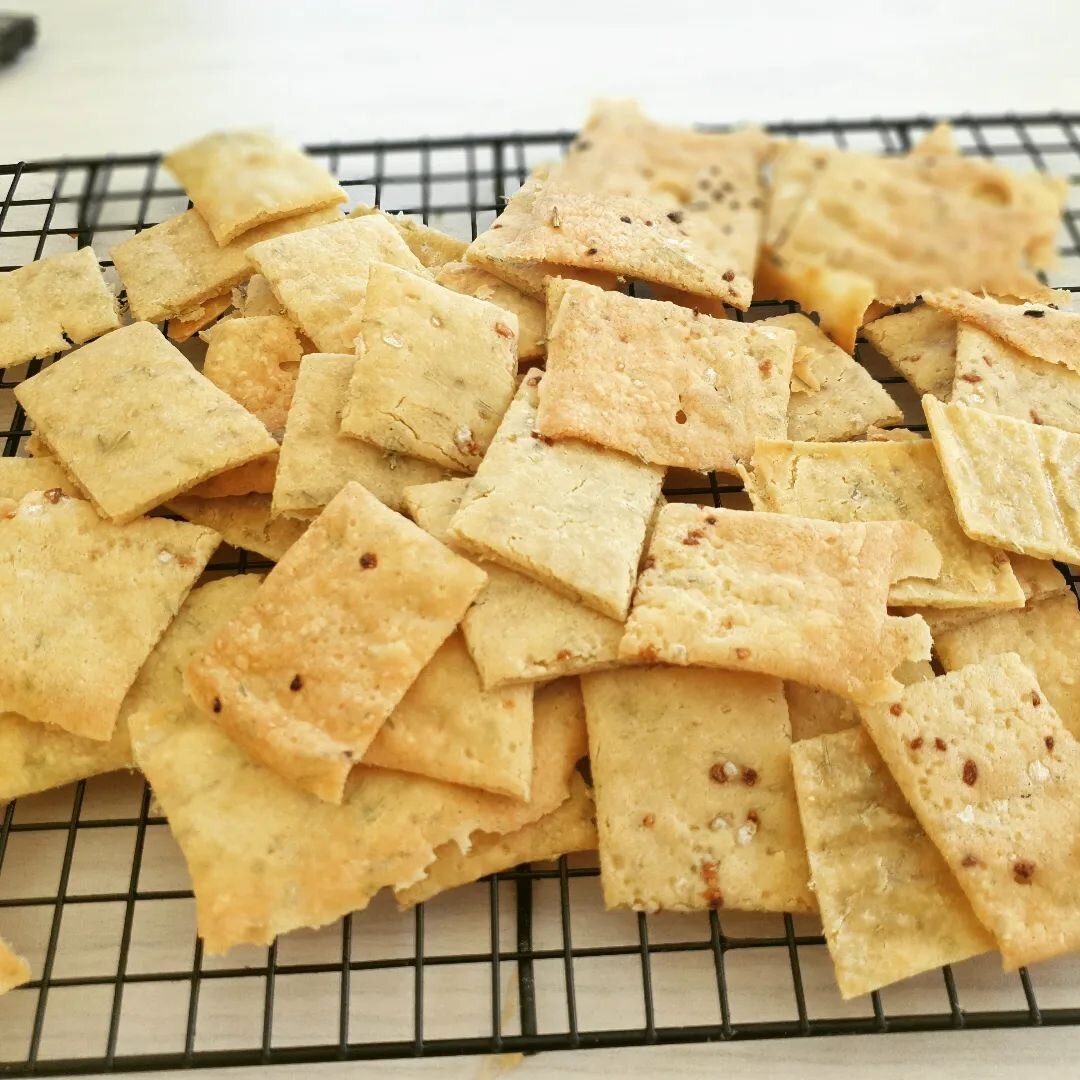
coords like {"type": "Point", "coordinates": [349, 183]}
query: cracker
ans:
{"type": "Point", "coordinates": [518, 630]}
{"type": "Point", "coordinates": [571, 827]}
{"type": "Point", "coordinates": [135, 424]}
{"type": "Point", "coordinates": [52, 304]}
{"type": "Point", "coordinates": [317, 461]}
{"type": "Point", "coordinates": [257, 298]}
{"type": "Point", "coordinates": [569, 515]}
{"type": "Point", "coordinates": [240, 179]}
{"type": "Point", "coordinates": [1046, 637]}
{"type": "Point", "coordinates": [254, 478]}
{"type": "Point", "coordinates": [433, 248]}
{"type": "Point", "coordinates": [695, 806]}
{"type": "Point", "coordinates": [320, 276]}
{"type": "Point", "coordinates": [434, 370]}
{"type": "Point", "coordinates": [256, 361]}
{"type": "Point", "coordinates": [82, 602]}
{"type": "Point", "coordinates": [921, 345]}
{"type": "Point", "coordinates": [244, 521]}
{"type": "Point", "coordinates": [660, 382]}
{"type": "Point", "coordinates": [885, 481]}
{"type": "Point", "coordinates": [763, 592]}
{"type": "Point", "coordinates": [20, 476]}
{"type": "Point", "coordinates": [185, 326]}
{"type": "Point", "coordinates": [304, 676]}
{"type": "Point", "coordinates": [890, 907]}
{"type": "Point", "coordinates": [14, 970]}
{"type": "Point", "coordinates": [1014, 485]}
{"type": "Point", "coordinates": [997, 801]}
{"type": "Point", "coordinates": [840, 400]}
{"type": "Point", "coordinates": [448, 727]}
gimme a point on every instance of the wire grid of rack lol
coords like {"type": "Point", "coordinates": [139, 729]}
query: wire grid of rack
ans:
{"type": "Point", "coordinates": [93, 889]}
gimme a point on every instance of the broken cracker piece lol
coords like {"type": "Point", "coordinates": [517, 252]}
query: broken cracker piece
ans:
{"type": "Point", "coordinates": [243, 521]}
{"type": "Point", "coordinates": [921, 345]}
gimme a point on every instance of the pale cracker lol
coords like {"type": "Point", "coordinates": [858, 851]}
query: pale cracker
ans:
{"type": "Point", "coordinates": [304, 676]}
{"type": "Point", "coordinates": [188, 324]}
{"type": "Point", "coordinates": [135, 424]}
{"type": "Point", "coordinates": [240, 179]}
{"type": "Point", "coordinates": [317, 461]}
{"type": "Point", "coordinates": [14, 970]}
{"type": "Point", "coordinates": [434, 373]}
{"type": "Point", "coordinates": [1014, 485]}
{"type": "Point", "coordinates": [997, 801]}
{"type": "Point", "coordinates": [257, 298]}
{"type": "Point", "coordinates": [82, 602]}
{"type": "Point", "coordinates": [432, 247]}
{"type": "Point", "coordinates": [518, 630]}
{"type": "Point", "coordinates": [570, 515]}
{"type": "Point", "coordinates": [695, 806]}
{"type": "Point", "coordinates": [254, 478]}
{"type": "Point", "coordinates": [890, 907]}
{"type": "Point", "coordinates": [921, 345]}
{"type": "Point", "coordinates": [449, 728]}
{"type": "Point", "coordinates": [244, 521]}
{"type": "Point", "coordinates": [800, 599]}
{"type": "Point", "coordinates": [19, 476]}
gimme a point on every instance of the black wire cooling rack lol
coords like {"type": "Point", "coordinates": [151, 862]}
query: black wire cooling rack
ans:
{"type": "Point", "coordinates": [94, 892]}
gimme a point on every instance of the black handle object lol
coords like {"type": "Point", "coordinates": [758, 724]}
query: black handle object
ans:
{"type": "Point", "coordinates": [17, 32]}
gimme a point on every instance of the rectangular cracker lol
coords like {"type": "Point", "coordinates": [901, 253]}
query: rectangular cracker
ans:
{"type": "Point", "coordinates": [135, 424]}
{"type": "Point", "coordinates": [890, 907]}
{"type": "Point", "coordinates": [800, 599]}
{"type": "Point", "coordinates": [317, 461]}
{"type": "Point", "coordinates": [240, 179]}
{"type": "Point", "coordinates": [52, 304]}
{"type": "Point", "coordinates": [434, 373]}
{"type": "Point", "coordinates": [14, 970]}
{"type": "Point", "coordinates": [571, 827]}
{"type": "Point", "coordinates": [921, 345]}
{"type": "Point", "coordinates": [432, 247]}
{"type": "Point", "coordinates": [449, 728]}
{"type": "Point", "coordinates": [243, 521]}
{"type": "Point", "coordinates": [997, 800]}
{"type": "Point", "coordinates": [885, 481]}
{"type": "Point", "coordinates": [843, 400]}
{"type": "Point", "coordinates": [19, 476]}
{"type": "Point", "coordinates": [569, 515]}
{"type": "Point", "coordinates": [695, 806]}
{"type": "Point", "coordinates": [82, 602]}
{"type": "Point", "coordinates": [660, 382]}
{"type": "Point", "coordinates": [320, 276]}
{"type": "Point", "coordinates": [518, 630]}
{"type": "Point", "coordinates": [306, 674]}
{"type": "Point", "coordinates": [1014, 485]}
{"type": "Point", "coordinates": [187, 325]}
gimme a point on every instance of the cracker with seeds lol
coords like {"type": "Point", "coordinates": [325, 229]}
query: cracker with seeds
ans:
{"type": "Point", "coordinates": [1014, 485]}
{"type": "Point", "coordinates": [921, 345]}
{"type": "Point", "coordinates": [321, 275]}
{"type": "Point", "coordinates": [890, 907]}
{"type": "Point", "coordinates": [569, 515]}
{"type": "Point", "coordinates": [434, 372]}
{"type": "Point", "coordinates": [990, 771]}
{"type": "Point", "coordinates": [82, 602]}
{"type": "Point", "coordinates": [317, 461]}
{"type": "Point", "coordinates": [254, 478]}
{"type": "Point", "coordinates": [240, 179]}
{"type": "Point", "coordinates": [517, 629]}
{"type": "Point", "coordinates": [305, 675]}
{"type": "Point", "coordinates": [14, 970]}
{"type": "Point", "coordinates": [19, 476]}
{"type": "Point", "coordinates": [243, 521]}
{"type": "Point", "coordinates": [433, 248]}
{"type": "Point", "coordinates": [660, 382]}
{"type": "Point", "coordinates": [449, 728]}
{"type": "Point", "coordinates": [885, 481]}
{"type": "Point", "coordinates": [712, 821]}
{"type": "Point", "coordinates": [52, 304]}
{"type": "Point", "coordinates": [135, 424]}
{"type": "Point", "coordinates": [800, 599]}
{"type": "Point", "coordinates": [187, 325]}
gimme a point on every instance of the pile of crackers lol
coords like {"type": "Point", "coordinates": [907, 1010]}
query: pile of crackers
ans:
{"type": "Point", "coordinates": [454, 454]}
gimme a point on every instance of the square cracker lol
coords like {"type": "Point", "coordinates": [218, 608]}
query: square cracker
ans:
{"type": "Point", "coordinates": [135, 424]}
{"type": "Point", "coordinates": [518, 630]}
{"type": "Point", "coordinates": [885, 481]}
{"type": "Point", "coordinates": [432, 247]}
{"type": "Point", "coordinates": [570, 515]}
{"type": "Point", "coordinates": [660, 382]}
{"type": "Point", "coordinates": [50, 305]}
{"type": "Point", "coordinates": [240, 179]}
{"type": "Point", "coordinates": [317, 461]}
{"type": "Point", "coordinates": [1014, 485]}
{"type": "Point", "coordinates": [244, 521]}
{"type": "Point", "coordinates": [435, 370]}
{"type": "Point", "coordinates": [14, 970]}
{"type": "Point", "coordinates": [999, 801]}
{"type": "Point", "coordinates": [921, 345]}
{"type": "Point", "coordinates": [695, 806]}
{"type": "Point", "coordinates": [890, 907]}
{"type": "Point", "coordinates": [843, 400]}
{"type": "Point", "coordinates": [1046, 637]}
{"type": "Point", "coordinates": [82, 602]}
{"type": "Point", "coordinates": [800, 599]}
{"type": "Point", "coordinates": [571, 827]}
{"type": "Point", "coordinates": [305, 675]}
{"type": "Point", "coordinates": [320, 275]}
{"type": "Point", "coordinates": [19, 476]}
{"type": "Point", "coordinates": [449, 728]}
